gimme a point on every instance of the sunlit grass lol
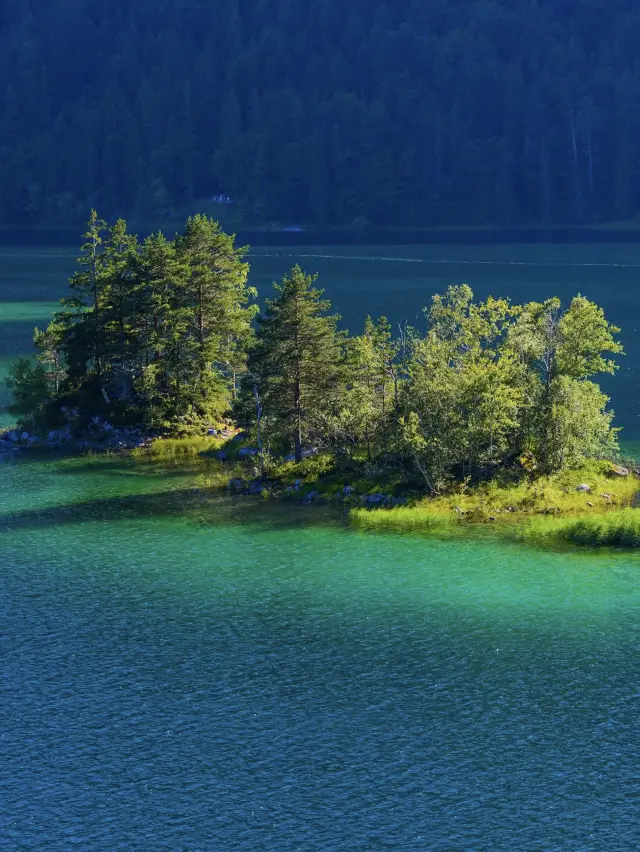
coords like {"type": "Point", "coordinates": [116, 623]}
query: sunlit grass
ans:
{"type": "Point", "coordinates": [549, 508]}
{"type": "Point", "coordinates": [420, 518]}
{"type": "Point", "coordinates": [181, 447]}
{"type": "Point", "coordinates": [619, 528]}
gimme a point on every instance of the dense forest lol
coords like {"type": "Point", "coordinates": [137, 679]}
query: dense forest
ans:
{"type": "Point", "coordinates": [159, 336]}
{"type": "Point", "coordinates": [417, 112]}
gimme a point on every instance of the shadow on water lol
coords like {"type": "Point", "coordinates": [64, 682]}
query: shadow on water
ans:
{"type": "Point", "coordinates": [116, 463]}
{"type": "Point", "coordinates": [199, 506]}
{"type": "Point", "coordinates": [130, 468]}
{"type": "Point", "coordinates": [206, 508]}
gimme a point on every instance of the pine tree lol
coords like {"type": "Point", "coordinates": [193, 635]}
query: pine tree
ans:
{"type": "Point", "coordinates": [296, 363]}
{"type": "Point", "coordinates": [85, 346]}
{"type": "Point", "coordinates": [169, 355]}
{"type": "Point", "coordinates": [120, 312]}
{"type": "Point", "coordinates": [220, 299]}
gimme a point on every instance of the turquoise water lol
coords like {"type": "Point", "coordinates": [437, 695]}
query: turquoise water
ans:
{"type": "Point", "coordinates": [179, 672]}
{"type": "Point", "coordinates": [174, 677]}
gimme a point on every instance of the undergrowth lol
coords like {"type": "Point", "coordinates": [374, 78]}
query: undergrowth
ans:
{"type": "Point", "coordinates": [181, 447]}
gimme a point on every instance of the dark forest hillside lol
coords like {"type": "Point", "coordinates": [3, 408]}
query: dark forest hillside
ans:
{"type": "Point", "coordinates": [417, 112]}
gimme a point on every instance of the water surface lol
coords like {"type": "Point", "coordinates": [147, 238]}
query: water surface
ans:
{"type": "Point", "coordinates": [185, 673]}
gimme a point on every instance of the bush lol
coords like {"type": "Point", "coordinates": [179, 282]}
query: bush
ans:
{"type": "Point", "coordinates": [308, 470]}
{"type": "Point", "coordinates": [28, 383]}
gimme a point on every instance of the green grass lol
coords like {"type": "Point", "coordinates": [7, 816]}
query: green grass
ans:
{"type": "Point", "coordinates": [405, 519]}
{"type": "Point", "coordinates": [619, 528]}
{"type": "Point", "coordinates": [192, 447]}
{"type": "Point", "coordinates": [546, 510]}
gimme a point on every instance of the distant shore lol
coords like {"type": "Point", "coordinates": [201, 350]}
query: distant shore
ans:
{"type": "Point", "coordinates": [266, 235]}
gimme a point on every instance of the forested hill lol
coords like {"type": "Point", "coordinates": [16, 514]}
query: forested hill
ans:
{"type": "Point", "coordinates": [417, 112]}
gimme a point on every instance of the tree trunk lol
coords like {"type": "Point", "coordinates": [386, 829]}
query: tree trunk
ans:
{"type": "Point", "coordinates": [424, 474]}
{"type": "Point", "coordinates": [297, 408]}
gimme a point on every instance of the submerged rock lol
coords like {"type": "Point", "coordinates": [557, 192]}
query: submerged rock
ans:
{"type": "Point", "coordinates": [256, 488]}
{"type": "Point", "coordinates": [375, 499]}
{"type": "Point", "coordinates": [248, 452]}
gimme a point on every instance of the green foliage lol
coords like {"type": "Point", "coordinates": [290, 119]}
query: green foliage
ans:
{"type": "Point", "coordinates": [561, 350]}
{"type": "Point", "coordinates": [29, 386]}
{"type": "Point", "coordinates": [295, 368]}
{"type": "Point", "coordinates": [403, 519]}
{"type": "Point", "coordinates": [613, 529]}
{"type": "Point", "coordinates": [579, 425]}
{"type": "Point", "coordinates": [621, 529]}
{"type": "Point", "coordinates": [369, 398]}
{"type": "Point", "coordinates": [310, 469]}
{"type": "Point", "coordinates": [585, 337]}
{"type": "Point", "coordinates": [158, 335]}
{"type": "Point", "coordinates": [548, 509]}
{"type": "Point", "coordinates": [403, 113]}
{"type": "Point", "coordinates": [465, 393]}
{"type": "Point", "coordinates": [153, 334]}
{"type": "Point", "coordinates": [491, 382]}
{"type": "Point", "coordinates": [170, 448]}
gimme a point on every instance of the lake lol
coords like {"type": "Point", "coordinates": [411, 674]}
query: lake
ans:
{"type": "Point", "coordinates": [180, 672]}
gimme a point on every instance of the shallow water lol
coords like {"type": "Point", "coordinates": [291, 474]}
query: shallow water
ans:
{"type": "Point", "coordinates": [186, 673]}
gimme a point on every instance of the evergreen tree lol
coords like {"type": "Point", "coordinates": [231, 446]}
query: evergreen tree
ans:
{"type": "Point", "coordinates": [296, 363]}
{"type": "Point", "coordinates": [503, 113]}
{"type": "Point", "coordinates": [169, 356]}
{"type": "Point", "coordinates": [120, 313]}
{"type": "Point", "coordinates": [154, 334]}
{"type": "Point", "coordinates": [85, 345]}
{"type": "Point", "coordinates": [220, 298]}
{"type": "Point", "coordinates": [29, 387]}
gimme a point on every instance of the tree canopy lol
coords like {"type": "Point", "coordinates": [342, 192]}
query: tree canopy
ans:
{"type": "Point", "coordinates": [415, 112]}
{"type": "Point", "coordinates": [166, 336]}
{"type": "Point", "coordinates": [153, 333]}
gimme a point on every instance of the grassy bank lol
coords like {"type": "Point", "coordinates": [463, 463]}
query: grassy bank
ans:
{"type": "Point", "coordinates": [548, 509]}
{"type": "Point", "coordinates": [619, 528]}
{"type": "Point", "coordinates": [180, 448]}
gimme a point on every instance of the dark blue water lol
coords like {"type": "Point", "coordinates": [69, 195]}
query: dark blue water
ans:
{"type": "Point", "coordinates": [177, 673]}
{"type": "Point", "coordinates": [177, 678]}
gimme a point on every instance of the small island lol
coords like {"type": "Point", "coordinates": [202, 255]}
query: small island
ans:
{"type": "Point", "coordinates": [484, 412]}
